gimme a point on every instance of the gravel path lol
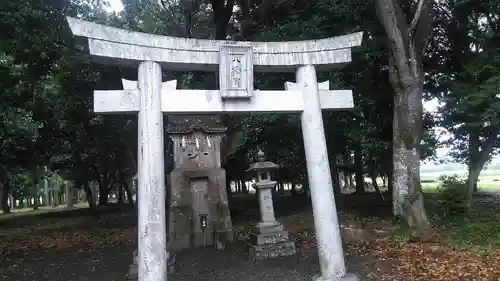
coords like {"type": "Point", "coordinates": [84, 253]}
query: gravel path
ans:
{"type": "Point", "coordinates": [207, 264]}
{"type": "Point", "coordinates": [233, 264]}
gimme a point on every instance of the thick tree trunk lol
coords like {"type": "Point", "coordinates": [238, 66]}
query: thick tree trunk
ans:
{"type": "Point", "coordinates": [223, 10]}
{"type": "Point", "coordinates": [88, 194]}
{"type": "Point", "coordinates": [407, 44]}
{"type": "Point", "coordinates": [104, 189]}
{"type": "Point", "coordinates": [407, 192]}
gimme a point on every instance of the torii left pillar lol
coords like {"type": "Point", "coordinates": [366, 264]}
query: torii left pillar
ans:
{"type": "Point", "coordinates": [152, 261]}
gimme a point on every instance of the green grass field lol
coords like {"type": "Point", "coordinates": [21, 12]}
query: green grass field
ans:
{"type": "Point", "coordinates": [41, 210]}
{"type": "Point", "coordinates": [488, 187]}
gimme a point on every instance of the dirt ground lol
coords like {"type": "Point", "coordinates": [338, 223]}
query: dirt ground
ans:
{"type": "Point", "coordinates": [103, 251]}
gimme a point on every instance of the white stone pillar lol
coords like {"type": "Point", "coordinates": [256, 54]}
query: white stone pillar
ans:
{"type": "Point", "coordinates": [331, 256]}
{"type": "Point", "coordinates": [266, 201]}
{"type": "Point", "coordinates": [152, 264]}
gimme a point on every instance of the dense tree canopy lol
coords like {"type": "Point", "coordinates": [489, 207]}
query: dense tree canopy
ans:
{"type": "Point", "coordinates": [449, 50]}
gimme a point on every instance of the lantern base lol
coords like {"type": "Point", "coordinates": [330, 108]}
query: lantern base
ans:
{"type": "Point", "coordinates": [267, 227]}
{"type": "Point", "coordinates": [269, 240]}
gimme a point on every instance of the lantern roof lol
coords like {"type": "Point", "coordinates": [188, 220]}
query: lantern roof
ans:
{"type": "Point", "coordinates": [262, 164]}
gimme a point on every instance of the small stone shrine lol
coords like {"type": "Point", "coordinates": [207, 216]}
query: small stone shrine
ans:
{"type": "Point", "coordinates": [268, 238]}
{"type": "Point", "coordinates": [198, 205]}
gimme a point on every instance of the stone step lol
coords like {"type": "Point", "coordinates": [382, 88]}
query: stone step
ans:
{"type": "Point", "coordinates": [281, 249]}
{"type": "Point", "coordinates": [263, 228]}
{"type": "Point", "coordinates": [268, 238]}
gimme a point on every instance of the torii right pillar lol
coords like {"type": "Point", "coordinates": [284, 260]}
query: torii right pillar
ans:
{"type": "Point", "coordinates": [329, 241]}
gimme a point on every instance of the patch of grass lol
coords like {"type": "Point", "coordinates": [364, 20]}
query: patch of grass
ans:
{"type": "Point", "coordinates": [41, 210]}
{"type": "Point", "coordinates": [45, 220]}
{"type": "Point", "coordinates": [431, 187]}
{"type": "Point", "coordinates": [479, 228]}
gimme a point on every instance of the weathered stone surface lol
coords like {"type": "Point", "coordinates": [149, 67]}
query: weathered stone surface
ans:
{"type": "Point", "coordinates": [286, 248]}
{"type": "Point", "coordinates": [198, 187]}
{"type": "Point", "coordinates": [208, 101]}
{"type": "Point", "coordinates": [268, 238]}
{"type": "Point", "coordinates": [133, 274]}
{"type": "Point", "coordinates": [267, 228]}
{"type": "Point", "coordinates": [331, 257]}
{"type": "Point", "coordinates": [119, 46]}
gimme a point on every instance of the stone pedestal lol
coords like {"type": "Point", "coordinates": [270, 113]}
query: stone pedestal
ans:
{"type": "Point", "coordinates": [268, 238]}
{"type": "Point", "coordinates": [269, 241]}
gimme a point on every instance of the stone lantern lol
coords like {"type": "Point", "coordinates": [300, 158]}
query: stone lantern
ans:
{"type": "Point", "coordinates": [268, 238]}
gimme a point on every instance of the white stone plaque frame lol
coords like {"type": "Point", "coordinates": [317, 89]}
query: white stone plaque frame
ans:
{"type": "Point", "coordinates": [236, 71]}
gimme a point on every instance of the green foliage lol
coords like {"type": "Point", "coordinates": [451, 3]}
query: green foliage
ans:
{"type": "Point", "coordinates": [454, 194]}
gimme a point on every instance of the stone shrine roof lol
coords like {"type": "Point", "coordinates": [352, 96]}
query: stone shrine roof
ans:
{"type": "Point", "coordinates": [176, 129]}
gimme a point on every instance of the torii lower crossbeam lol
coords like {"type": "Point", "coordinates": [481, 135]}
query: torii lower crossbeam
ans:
{"type": "Point", "coordinates": [175, 101]}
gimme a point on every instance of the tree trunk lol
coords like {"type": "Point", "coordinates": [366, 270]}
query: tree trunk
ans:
{"type": "Point", "coordinates": [293, 190]}
{"type": "Point", "coordinates": [305, 188]}
{"type": "Point", "coordinates": [38, 180]}
{"type": "Point", "coordinates": [477, 159]}
{"type": "Point", "coordinates": [281, 187]}
{"type": "Point", "coordinates": [4, 192]}
{"type": "Point", "coordinates": [69, 194]}
{"type": "Point", "coordinates": [88, 194]}
{"type": "Point", "coordinates": [407, 45]}
{"type": "Point", "coordinates": [120, 193]}
{"type": "Point", "coordinates": [407, 192]}
{"type": "Point", "coordinates": [244, 187]}
{"type": "Point", "coordinates": [46, 192]}
{"type": "Point", "coordinates": [5, 198]}
{"type": "Point", "coordinates": [358, 167]}
{"type": "Point", "coordinates": [335, 176]}
{"type": "Point", "coordinates": [128, 192]}
{"type": "Point", "coordinates": [223, 10]}
{"type": "Point", "coordinates": [104, 189]}
{"type": "Point", "coordinates": [373, 177]}
{"type": "Point", "coordinates": [125, 186]}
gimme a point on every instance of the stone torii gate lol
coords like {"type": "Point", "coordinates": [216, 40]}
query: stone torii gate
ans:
{"type": "Point", "coordinates": [236, 62]}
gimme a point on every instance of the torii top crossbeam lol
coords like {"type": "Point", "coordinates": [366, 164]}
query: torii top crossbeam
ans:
{"type": "Point", "coordinates": [118, 46]}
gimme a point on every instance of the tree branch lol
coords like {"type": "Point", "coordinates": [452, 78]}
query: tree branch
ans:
{"type": "Point", "coordinates": [390, 15]}
{"type": "Point", "coordinates": [416, 17]}
{"type": "Point", "coordinates": [421, 28]}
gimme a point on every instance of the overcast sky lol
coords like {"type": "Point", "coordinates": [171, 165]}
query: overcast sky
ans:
{"type": "Point", "coordinates": [115, 5]}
